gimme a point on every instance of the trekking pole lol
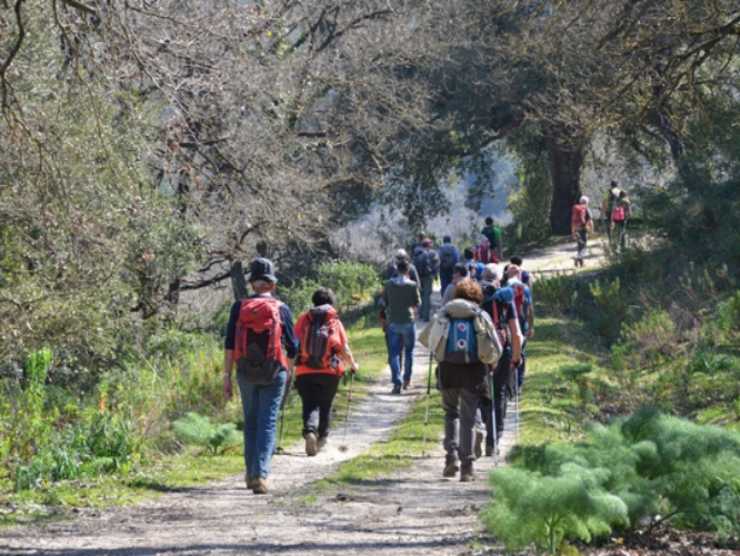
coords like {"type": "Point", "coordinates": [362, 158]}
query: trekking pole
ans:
{"type": "Point", "coordinates": [493, 418]}
{"type": "Point", "coordinates": [279, 449]}
{"type": "Point", "coordinates": [426, 403]}
{"type": "Point", "coordinates": [343, 446]}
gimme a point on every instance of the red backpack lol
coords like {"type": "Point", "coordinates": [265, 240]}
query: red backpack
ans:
{"type": "Point", "coordinates": [618, 213]}
{"type": "Point", "coordinates": [579, 217]}
{"type": "Point", "coordinates": [485, 255]}
{"type": "Point", "coordinates": [321, 340]}
{"type": "Point", "coordinates": [258, 350]}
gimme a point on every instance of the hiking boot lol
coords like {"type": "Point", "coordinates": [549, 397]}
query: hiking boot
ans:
{"type": "Point", "coordinates": [466, 474]}
{"type": "Point", "coordinates": [406, 384]}
{"type": "Point", "coordinates": [312, 444]}
{"type": "Point", "coordinates": [479, 436]}
{"type": "Point", "coordinates": [396, 389]}
{"type": "Point", "coordinates": [250, 481]}
{"type": "Point", "coordinates": [451, 467]}
{"type": "Point", "coordinates": [259, 486]}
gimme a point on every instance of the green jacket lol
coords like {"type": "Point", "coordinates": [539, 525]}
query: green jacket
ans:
{"type": "Point", "coordinates": [400, 296]}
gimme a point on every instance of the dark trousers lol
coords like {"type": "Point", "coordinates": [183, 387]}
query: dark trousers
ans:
{"type": "Point", "coordinates": [502, 383]}
{"type": "Point", "coordinates": [317, 393]}
{"type": "Point", "coordinates": [427, 283]}
{"type": "Point", "coordinates": [445, 277]}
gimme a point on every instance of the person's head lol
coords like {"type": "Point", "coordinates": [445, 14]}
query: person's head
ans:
{"type": "Point", "coordinates": [323, 296]}
{"type": "Point", "coordinates": [622, 194]}
{"type": "Point", "coordinates": [427, 243]}
{"type": "Point", "coordinates": [489, 275]}
{"type": "Point", "coordinates": [512, 271]}
{"type": "Point", "coordinates": [459, 272]}
{"type": "Point", "coordinates": [614, 183]}
{"type": "Point", "coordinates": [468, 253]}
{"type": "Point", "coordinates": [489, 221]}
{"type": "Point", "coordinates": [583, 200]}
{"type": "Point", "coordinates": [401, 254]}
{"type": "Point", "coordinates": [470, 290]}
{"type": "Point", "coordinates": [402, 267]}
{"type": "Point", "coordinates": [261, 275]}
{"type": "Point", "coordinates": [516, 260]}
{"type": "Point", "coordinates": [420, 237]}
{"type": "Point", "coordinates": [446, 239]}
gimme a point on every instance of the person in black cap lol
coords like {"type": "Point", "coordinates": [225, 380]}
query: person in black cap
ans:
{"type": "Point", "coordinates": [261, 342]}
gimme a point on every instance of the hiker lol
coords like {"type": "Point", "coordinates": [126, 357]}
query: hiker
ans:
{"type": "Point", "coordinates": [449, 256]}
{"type": "Point", "coordinates": [492, 232]}
{"type": "Point", "coordinates": [525, 314]}
{"type": "Point", "coordinates": [619, 216]}
{"type": "Point", "coordinates": [498, 302]}
{"type": "Point", "coordinates": [323, 355]}
{"type": "Point", "coordinates": [463, 341]}
{"type": "Point", "coordinates": [580, 224]}
{"type": "Point", "coordinates": [607, 205]}
{"type": "Point", "coordinates": [459, 272]}
{"type": "Point", "coordinates": [401, 298]}
{"type": "Point", "coordinates": [427, 265]}
{"type": "Point", "coordinates": [391, 271]}
{"type": "Point", "coordinates": [485, 253]}
{"type": "Point", "coordinates": [417, 244]}
{"type": "Point", "coordinates": [525, 276]}
{"type": "Point", "coordinates": [261, 341]}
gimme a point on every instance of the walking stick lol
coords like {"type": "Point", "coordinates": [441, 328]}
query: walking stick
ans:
{"type": "Point", "coordinates": [426, 403]}
{"type": "Point", "coordinates": [493, 417]}
{"type": "Point", "coordinates": [283, 403]}
{"type": "Point", "coordinates": [343, 446]}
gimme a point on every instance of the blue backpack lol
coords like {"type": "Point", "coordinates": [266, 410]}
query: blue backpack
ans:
{"type": "Point", "coordinates": [462, 343]}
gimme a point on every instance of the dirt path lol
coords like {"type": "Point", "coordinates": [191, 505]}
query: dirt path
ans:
{"type": "Point", "coordinates": [412, 511]}
{"type": "Point", "coordinates": [560, 257]}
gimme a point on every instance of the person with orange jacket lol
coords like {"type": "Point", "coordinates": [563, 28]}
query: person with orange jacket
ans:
{"type": "Point", "coordinates": [322, 357]}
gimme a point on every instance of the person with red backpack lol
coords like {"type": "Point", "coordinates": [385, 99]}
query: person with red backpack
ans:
{"type": "Point", "coordinates": [620, 214]}
{"type": "Point", "coordinates": [485, 253]}
{"type": "Point", "coordinates": [322, 357]}
{"type": "Point", "coordinates": [261, 342]}
{"type": "Point", "coordinates": [580, 224]}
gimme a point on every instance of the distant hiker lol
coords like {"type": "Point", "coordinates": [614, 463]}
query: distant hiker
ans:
{"type": "Point", "coordinates": [426, 261]}
{"type": "Point", "coordinates": [469, 259]}
{"type": "Point", "coordinates": [525, 276]}
{"type": "Point", "coordinates": [449, 256]}
{"type": "Point", "coordinates": [260, 340]}
{"type": "Point", "coordinates": [459, 272]}
{"type": "Point", "coordinates": [580, 224]}
{"type": "Point", "coordinates": [620, 214]}
{"type": "Point", "coordinates": [462, 339]}
{"type": "Point", "coordinates": [417, 244]}
{"type": "Point", "coordinates": [494, 236]}
{"type": "Point", "coordinates": [607, 205]}
{"type": "Point", "coordinates": [401, 298]}
{"type": "Point", "coordinates": [485, 253]}
{"type": "Point", "coordinates": [498, 302]}
{"type": "Point", "coordinates": [525, 314]}
{"type": "Point", "coordinates": [322, 358]}
{"type": "Point", "coordinates": [391, 271]}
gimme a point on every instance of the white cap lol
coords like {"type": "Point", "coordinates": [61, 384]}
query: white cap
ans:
{"type": "Point", "coordinates": [402, 254]}
{"type": "Point", "coordinates": [583, 200]}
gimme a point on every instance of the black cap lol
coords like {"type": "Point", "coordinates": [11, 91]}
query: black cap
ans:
{"type": "Point", "coordinates": [446, 239]}
{"type": "Point", "coordinates": [261, 269]}
{"type": "Point", "coordinates": [460, 269]}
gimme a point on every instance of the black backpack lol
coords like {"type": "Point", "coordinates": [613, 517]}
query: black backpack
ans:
{"type": "Point", "coordinates": [446, 258]}
{"type": "Point", "coordinates": [423, 262]}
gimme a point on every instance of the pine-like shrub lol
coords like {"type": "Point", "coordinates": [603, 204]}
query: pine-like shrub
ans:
{"type": "Point", "coordinates": [198, 429]}
{"type": "Point", "coordinates": [649, 466]}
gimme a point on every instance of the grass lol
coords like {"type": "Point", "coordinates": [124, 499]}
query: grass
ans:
{"type": "Point", "coordinates": [162, 473]}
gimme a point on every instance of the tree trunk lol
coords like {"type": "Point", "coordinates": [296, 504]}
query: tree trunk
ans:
{"type": "Point", "coordinates": [238, 283]}
{"type": "Point", "coordinates": [566, 159]}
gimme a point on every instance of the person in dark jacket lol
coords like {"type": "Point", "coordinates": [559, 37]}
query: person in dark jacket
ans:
{"type": "Point", "coordinates": [449, 256]}
{"type": "Point", "coordinates": [260, 402]}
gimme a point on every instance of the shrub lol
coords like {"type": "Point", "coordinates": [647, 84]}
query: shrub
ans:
{"type": "Point", "coordinates": [197, 429]}
{"type": "Point", "coordinates": [647, 466]}
{"type": "Point", "coordinates": [611, 308]}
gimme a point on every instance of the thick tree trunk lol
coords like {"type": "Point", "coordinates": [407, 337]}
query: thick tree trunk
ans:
{"type": "Point", "coordinates": [566, 159]}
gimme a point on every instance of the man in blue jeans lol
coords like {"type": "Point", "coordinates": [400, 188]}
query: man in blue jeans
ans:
{"type": "Point", "coordinates": [261, 341]}
{"type": "Point", "coordinates": [401, 298]}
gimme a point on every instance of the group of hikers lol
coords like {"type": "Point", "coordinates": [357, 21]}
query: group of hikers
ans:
{"type": "Point", "coordinates": [477, 338]}
{"type": "Point", "coordinates": [615, 212]}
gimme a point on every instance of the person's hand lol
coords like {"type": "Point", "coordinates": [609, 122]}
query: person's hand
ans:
{"type": "Point", "coordinates": [354, 368]}
{"type": "Point", "coordinates": [530, 332]}
{"type": "Point", "coordinates": [228, 387]}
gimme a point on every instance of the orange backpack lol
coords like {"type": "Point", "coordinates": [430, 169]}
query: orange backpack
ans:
{"type": "Point", "coordinates": [321, 340]}
{"type": "Point", "coordinates": [258, 349]}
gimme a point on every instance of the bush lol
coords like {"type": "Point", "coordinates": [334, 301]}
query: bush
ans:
{"type": "Point", "coordinates": [649, 466]}
{"type": "Point", "coordinates": [197, 429]}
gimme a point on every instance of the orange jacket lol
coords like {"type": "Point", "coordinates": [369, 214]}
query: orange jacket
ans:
{"type": "Point", "coordinates": [337, 343]}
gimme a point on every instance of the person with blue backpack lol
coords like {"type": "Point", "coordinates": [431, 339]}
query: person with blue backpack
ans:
{"type": "Point", "coordinates": [462, 339]}
{"type": "Point", "coordinates": [448, 258]}
{"type": "Point", "coordinates": [525, 314]}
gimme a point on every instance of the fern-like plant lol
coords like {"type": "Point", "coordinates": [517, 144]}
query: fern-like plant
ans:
{"type": "Point", "coordinates": [198, 429]}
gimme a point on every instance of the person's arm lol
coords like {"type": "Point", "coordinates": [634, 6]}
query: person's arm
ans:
{"type": "Point", "coordinates": [229, 350]}
{"type": "Point", "coordinates": [345, 354]}
{"type": "Point", "coordinates": [530, 319]}
{"type": "Point", "coordinates": [515, 334]}
{"type": "Point", "coordinates": [289, 338]}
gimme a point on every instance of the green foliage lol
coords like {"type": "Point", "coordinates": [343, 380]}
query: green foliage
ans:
{"type": "Point", "coordinates": [197, 429]}
{"type": "Point", "coordinates": [650, 466]}
{"type": "Point", "coordinates": [557, 293]}
{"type": "Point", "coordinates": [611, 307]}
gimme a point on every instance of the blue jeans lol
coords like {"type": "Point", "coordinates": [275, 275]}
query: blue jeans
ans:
{"type": "Point", "coordinates": [401, 337]}
{"type": "Point", "coordinates": [261, 405]}
{"type": "Point", "coordinates": [445, 277]}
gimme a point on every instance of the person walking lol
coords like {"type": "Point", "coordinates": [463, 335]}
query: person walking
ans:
{"type": "Point", "coordinates": [459, 273]}
{"type": "Point", "coordinates": [391, 271]}
{"type": "Point", "coordinates": [525, 314]}
{"type": "Point", "coordinates": [449, 256]}
{"type": "Point", "coordinates": [485, 253]}
{"type": "Point", "coordinates": [498, 302]}
{"type": "Point", "coordinates": [619, 215]}
{"type": "Point", "coordinates": [401, 299]}
{"type": "Point", "coordinates": [607, 205]}
{"type": "Point", "coordinates": [427, 265]}
{"type": "Point", "coordinates": [462, 339]}
{"type": "Point", "coordinates": [323, 355]}
{"type": "Point", "coordinates": [493, 233]}
{"type": "Point", "coordinates": [261, 342]}
{"type": "Point", "coordinates": [580, 224]}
